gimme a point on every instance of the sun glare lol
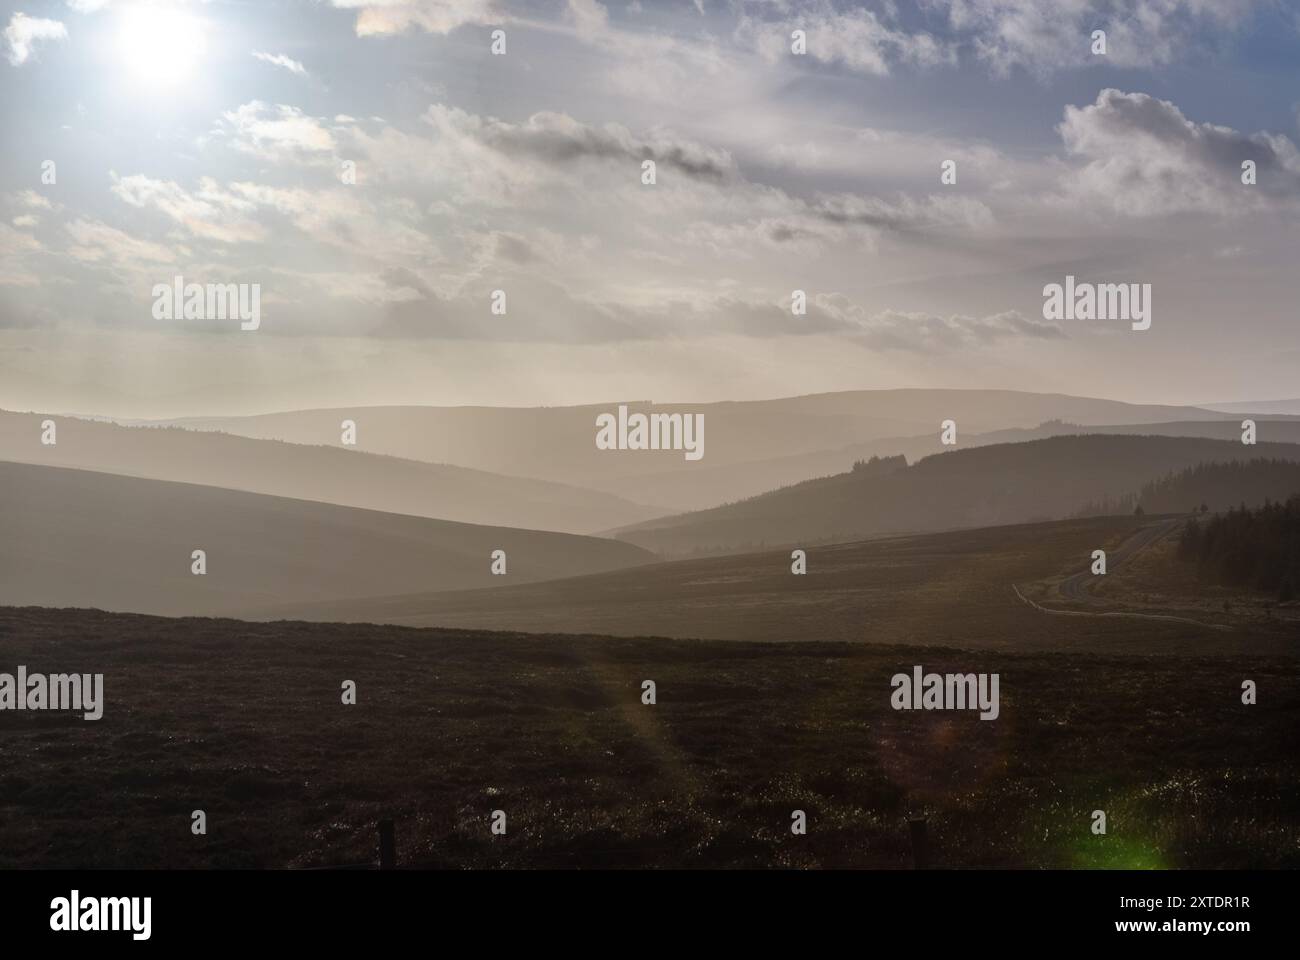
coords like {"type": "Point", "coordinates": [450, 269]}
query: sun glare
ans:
{"type": "Point", "coordinates": [158, 44]}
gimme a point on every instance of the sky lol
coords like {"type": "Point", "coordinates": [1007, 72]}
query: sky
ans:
{"type": "Point", "coordinates": [378, 172]}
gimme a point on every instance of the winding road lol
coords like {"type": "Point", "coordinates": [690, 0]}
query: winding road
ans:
{"type": "Point", "coordinates": [1075, 587]}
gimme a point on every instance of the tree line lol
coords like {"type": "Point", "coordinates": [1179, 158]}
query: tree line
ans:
{"type": "Point", "coordinates": [1206, 488]}
{"type": "Point", "coordinates": [1253, 548]}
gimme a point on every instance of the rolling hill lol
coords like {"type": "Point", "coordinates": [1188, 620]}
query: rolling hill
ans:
{"type": "Point", "coordinates": [950, 589]}
{"type": "Point", "coordinates": [558, 443]}
{"type": "Point", "coordinates": [74, 538]}
{"type": "Point", "coordinates": [710, 486]}
{"type": "Point", "coordinates": [1289, 407]}
{"type": "Point", "coordinates": [982, 486]}
{"type": "Point", "coordinates": [1210, 487]}
{"type": "Point", "coordinates": [326, 472]}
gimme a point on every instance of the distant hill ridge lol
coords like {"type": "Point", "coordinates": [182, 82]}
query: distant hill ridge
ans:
{"type": "Point", "coordinates": [753, 445]}
{"type": "Point", "coordinates": [324, 472]}
{"type": "Point", "coordinates": [989, 485]}
{"type": "Point", "coordinates": [1212, 487]}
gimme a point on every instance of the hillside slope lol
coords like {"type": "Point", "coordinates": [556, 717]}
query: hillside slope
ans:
{"type": "Point", "coordinates": [996, 484]}
{"type": "Point", "coordinates": [950, 589]}
{"type": "Point", "coordinates": [77, 538]}
{"type": "Point", "coordinates": [326, 472]}
{"type": "Point", "coordinates": [558, 443]}
{"type": "Point", "coordinates": [711, 486]}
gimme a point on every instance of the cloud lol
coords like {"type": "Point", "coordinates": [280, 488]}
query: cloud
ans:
{"type": "Point", "coordinates": [97, 242]}
{"type": "Point", "coordinates": [24, 32]}
{"type": "Point", "coordinates": [341, 217]}
{"type": "Point", "coordinates": [1040, 36]}
{"type": "Point", "coordinates": [546, 312]}
{"type": "Point", "coordinates": [13, 246]}
{"type": "Point", "coordinates": [366, 288]}
{"type": "Point", "coordinates": [835, 221]}
{"type": "Point", "coordinates": [209, 212]}
{"type": "Point", "coordinates": [648, 64]}
{"type": "Point", "coordinates": [1142, 157]}
{"type": "Point", "coordinates": [512, 248]}
{"type": "Point", "coordinates": [32, 200]}
{"type": "Point", "coordinates": [9, 277]}
{"type": "Point", "coordinates": [1044, 38]}
{"type": "Point", "coordinates": [280, 60]}
{"type": "Point", "coordinates": [926, 332]}
{"type": "Point", "coordinates": [855, 39]}
{"type": "Point", "coordinates": [14, 242]}
{"type": "Point", "coordinates": [482, 161]}
{"type": "Point", "coordinates": [492, 161]}
{"type": "Point", "coordinates": [380, 17]}
{"type": "Point", "coordinates": [337, 227]}
{"type": "Point", "coordinates": [277, 133]}
{"type": "Point", "coordinates": [558, 140]}
{"type": "Point", "coordinates": [903, 213]}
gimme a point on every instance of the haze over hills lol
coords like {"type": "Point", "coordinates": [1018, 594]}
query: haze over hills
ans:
{"type": "Point", "coordinates": [328, 472]}
{"type": "Point", "coordinates": [1215, 487]}
{"type": "Point", "coordinates": [996, 484]}
{"type": "Point", "coordinates": [75, 538]}
{"type": "Point", "coordinates": [1279, 407]}
{"type": "Point", "coordinates": [558, 443]}
{"type": "Point", "coordinates": [709, 486]}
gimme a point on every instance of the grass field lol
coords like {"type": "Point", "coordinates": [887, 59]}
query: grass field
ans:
{"type": "Point", "coordinates": [949, 589]}
{"type": "Point", "coordinates": [244, 721]}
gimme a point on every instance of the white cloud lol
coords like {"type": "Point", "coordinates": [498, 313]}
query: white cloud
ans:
{"type": "Point", "coordinates": [32, 200]}
{"type": "Point", "coordinates": [927, 332]}
{"type": "Point", "coordinates": [24, 32]}
{"type": "Point", "coordinates": [1046, 37]}
{"type": "Point", "coordinates": [14, 242]}
{"type": "Point", "coordinates": [559, 139]}
{"type": "Point", "coordinates": [1040, 36]}
{"type": "Point", "coordinates": [97, 242]}
{"type": "Point", "coordinates": [277, 133]}
{"type": "Point", "coordinates": [647, 64]}
{"type": "Point", "coordinates": [856, 39]}
{"type": "Point", "coordinates": [1142, 157]}
{"type": "Point", "coordinates": [209, 212]}
{"type": "Point", "coordinates": [902, 212]}
{"type": "Point", "coordinates": [379, 17]}
{"type": "Point", "coordinates": [552, 313]}
{"type": "Point", "coordinates": [280, 60]}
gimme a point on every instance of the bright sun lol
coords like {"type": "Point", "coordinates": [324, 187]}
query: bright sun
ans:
{"type": "Point", "coordinates": [158, 44]}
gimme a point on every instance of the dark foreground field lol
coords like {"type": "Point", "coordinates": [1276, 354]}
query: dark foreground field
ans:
{"type": "Point", "coordinates": [244, 721]}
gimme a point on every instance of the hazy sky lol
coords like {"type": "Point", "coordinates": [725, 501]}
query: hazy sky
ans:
{"type": "Point", "coordinates": [210, 140]}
